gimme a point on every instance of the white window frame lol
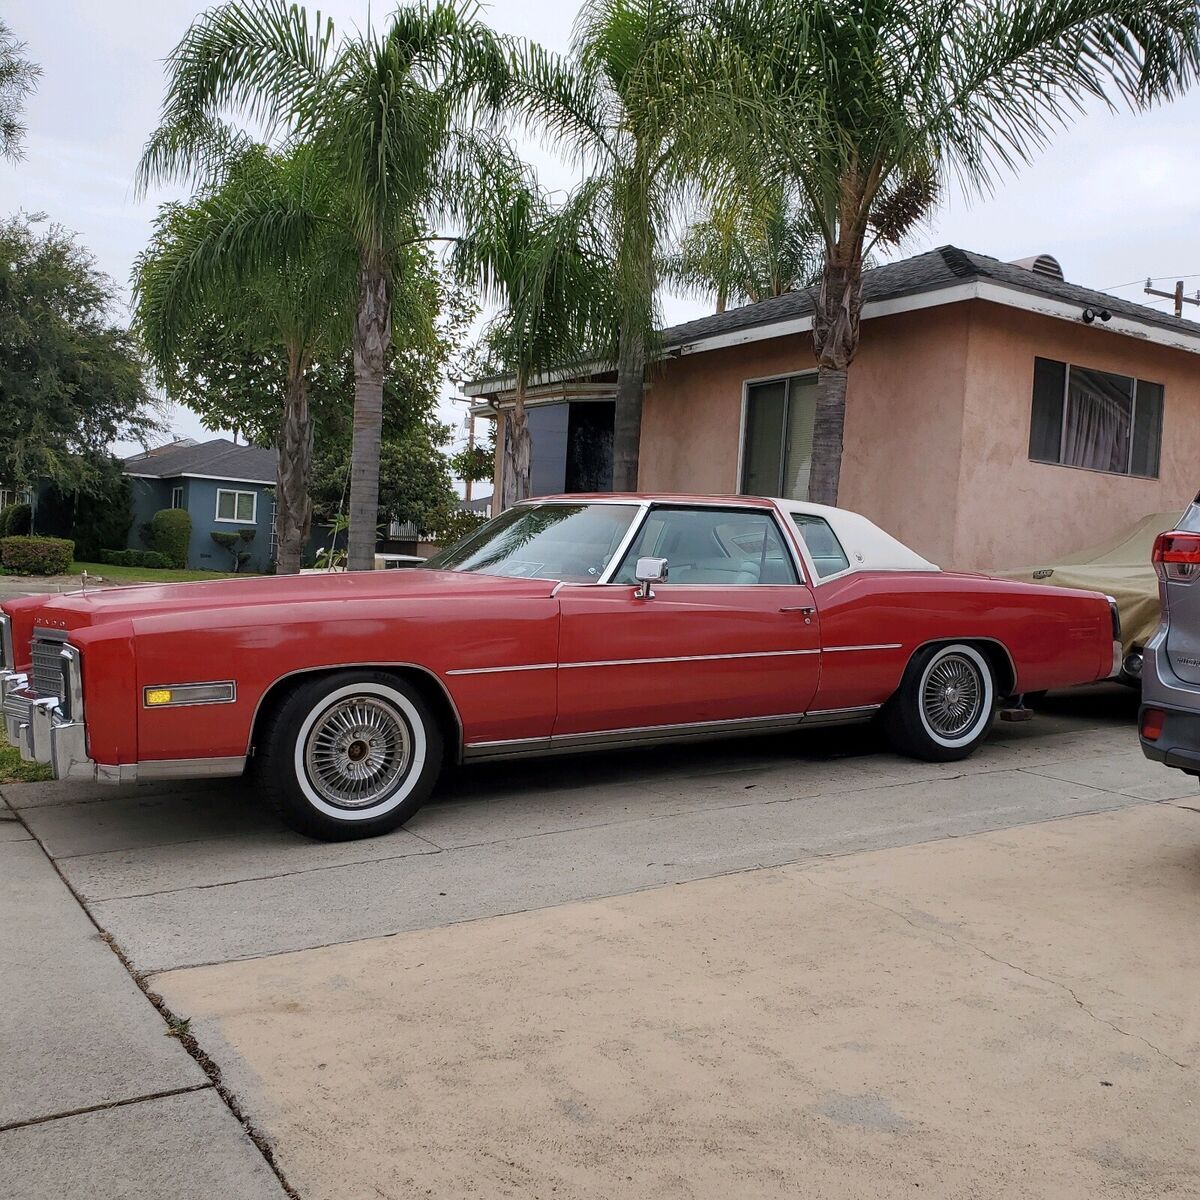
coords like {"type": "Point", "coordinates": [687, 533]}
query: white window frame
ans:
{"type": "Point", "coordinates": [235, 520]}
{"type": "Point", "coordinates": [177, 497]}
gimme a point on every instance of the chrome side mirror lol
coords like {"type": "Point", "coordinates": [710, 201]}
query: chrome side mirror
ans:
{"type": "Point", "coordinates": [649, 571]}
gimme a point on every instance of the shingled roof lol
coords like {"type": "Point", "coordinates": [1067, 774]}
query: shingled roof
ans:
{"type": "Point", "coordinates": [218, 459]}
{"type": "Point", "coordinates": [922, 275]}
{"type": "Point", "coordinates": [941, 268]}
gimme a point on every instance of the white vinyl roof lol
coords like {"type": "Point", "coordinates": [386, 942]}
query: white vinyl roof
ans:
{"type": "Point", "coordinates": [867, 546]}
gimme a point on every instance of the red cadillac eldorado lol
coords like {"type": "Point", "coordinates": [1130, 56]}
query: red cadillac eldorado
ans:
{"type": "Point", "coordinates": [567, 623]}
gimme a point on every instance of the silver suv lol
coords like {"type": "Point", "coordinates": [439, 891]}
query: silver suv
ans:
{"type": "Point", "coordinates": [1169, 720]}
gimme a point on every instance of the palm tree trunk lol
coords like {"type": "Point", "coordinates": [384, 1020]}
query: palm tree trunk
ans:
{"type": "Point", "coordinates": [631, 394]}
{"type": "Point", "coordinates": [372, 336]}
{"type": "Point", "coordinates": [293, 504]}
{"type": "Point", "coordinates": [835, 342]}
{"type": "Point", "coordinates": [522, 445]}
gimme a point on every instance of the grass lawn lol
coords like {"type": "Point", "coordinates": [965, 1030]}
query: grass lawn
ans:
{"type": "Point", "coordinates": [13, 770]}
{"type": "Point", "coordinates": [117, 574]}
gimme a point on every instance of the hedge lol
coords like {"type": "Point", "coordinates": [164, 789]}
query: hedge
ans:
{"type": "Point", "coordinates": [135, 558]}
{"type": "Point", "coordinates": [37, 555]}
{"type": "Point", "coordinates": [16, 520]}
{"type": "Point", "coordinates": [170, 532]}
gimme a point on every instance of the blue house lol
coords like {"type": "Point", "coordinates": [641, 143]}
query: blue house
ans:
{"type": "Point", "coordinates": [223, 486]}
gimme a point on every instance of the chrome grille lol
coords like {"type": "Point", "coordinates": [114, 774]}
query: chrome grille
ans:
{"type": "Point", "coordinates": [46, 677]}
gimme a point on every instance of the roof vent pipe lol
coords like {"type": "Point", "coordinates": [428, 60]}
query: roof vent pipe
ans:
{"type": "Point", "coordinates": [1041, 264]}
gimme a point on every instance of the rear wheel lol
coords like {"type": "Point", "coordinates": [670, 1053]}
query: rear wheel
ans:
{"type": "Point", "coordinates": [349, 755]}
{"type": "Point", "coordinates": [945, 704]}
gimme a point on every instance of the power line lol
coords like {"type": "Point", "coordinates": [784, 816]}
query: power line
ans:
{"type": "Point", "coordinates": [1145, 279]}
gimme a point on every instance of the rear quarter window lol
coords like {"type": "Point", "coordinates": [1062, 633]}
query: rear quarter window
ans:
{"type": "Point", "coordinates": [823, 546]}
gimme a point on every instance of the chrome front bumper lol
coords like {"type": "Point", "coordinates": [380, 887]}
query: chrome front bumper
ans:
{"type": "Point", "coordinates": [42, 732]}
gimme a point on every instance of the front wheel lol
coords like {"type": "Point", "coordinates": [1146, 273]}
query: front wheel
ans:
{"type": "Point", "coordinates": [945, 704]}
{"type": "Point", "coordinates": [350, 755]}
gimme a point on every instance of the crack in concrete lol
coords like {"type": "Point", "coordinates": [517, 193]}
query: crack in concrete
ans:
{"type": "Point", "coordinates": [91, 1108]}
{"type": "Point", "coordinates": [1047, 979]}
{"type": "Point", "coordinates": [175, 1028]}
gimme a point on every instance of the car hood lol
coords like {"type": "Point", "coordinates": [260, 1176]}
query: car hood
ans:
{"type": "Point", "coordinates": [100, 606]}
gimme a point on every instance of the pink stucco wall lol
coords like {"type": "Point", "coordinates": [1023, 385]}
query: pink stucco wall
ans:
{"type": "Point", "coordinates": [1012, 511]}
{"type": "Point", "coordinates": [937, 431]}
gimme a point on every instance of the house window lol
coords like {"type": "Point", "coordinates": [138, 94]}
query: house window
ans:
{"type": "Point", "coordinates": [777, 437]}
{"type": "Point", "coordinates": [177, 497]}
{"type": "Point", "coordinates": [12, 496]}
{"type": "Point", "coordinates": [240, 507]}
{"type": "Point", "coordinates": [1094, 419]}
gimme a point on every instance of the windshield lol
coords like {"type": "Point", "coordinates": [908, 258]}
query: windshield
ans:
{"type": "Point", "coordinates": [569, 542]}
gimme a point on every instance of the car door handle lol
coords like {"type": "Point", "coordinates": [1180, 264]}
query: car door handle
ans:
{"type": "Point", "coordinates": [806, 609]}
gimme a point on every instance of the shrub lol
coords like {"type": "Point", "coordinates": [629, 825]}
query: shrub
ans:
{"type": "Point", "coordinates": [96, 518]}
{"type": "Point", "coordinates": [16, 521]}
{"type": "Point", "coordinates": [37, 555]}
{"type": "Point", "coordinates": [170, 532]}
{"type": "Point", "coordinates": [134, 558]}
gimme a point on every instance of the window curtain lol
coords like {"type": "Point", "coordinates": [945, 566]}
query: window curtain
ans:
{"type": "Point", "coordinates": [1099, 412]}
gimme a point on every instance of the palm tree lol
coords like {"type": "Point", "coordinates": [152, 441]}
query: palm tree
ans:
{"type": "Point", "coordinates": [18, 81]}
{"type": "Point", "coordinates": [868, 107]}
{"type": "Point", "coordinates": [747, 250]}
{"type": "Point", "coordinates": [545, 265]}
{"type": "Point", "coordinates": [386, 111]}
{"type": "Point", "coordinates": [296, 301]}
{"type": "Point", "coordinates": [620, 107]}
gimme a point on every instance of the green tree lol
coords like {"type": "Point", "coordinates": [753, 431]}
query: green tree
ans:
{"type": "Point", "coordinates": [622, 106]}
{"type": "Point", "coordinates": [545, 265]}
{"type": "Point", "coordinates": [866, 108]}
{"type": "Point", "coordinates": [273, 312]}
{"type": "Point", "coordinates": [18, 81]}
{"type": "Point", "coordinates": [753, 245]}
{"type": "Point", "coordinates": [71, 379]}
{"type": "Point", "coordinates": [385, 111]}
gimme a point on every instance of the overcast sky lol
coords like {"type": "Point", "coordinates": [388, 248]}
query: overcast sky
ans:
{"type": "Point", "coordinates": [1115, 199]}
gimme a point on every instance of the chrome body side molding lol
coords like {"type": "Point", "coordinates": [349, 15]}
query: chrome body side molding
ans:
{"type": "Point", "coordinates": [649, 735]}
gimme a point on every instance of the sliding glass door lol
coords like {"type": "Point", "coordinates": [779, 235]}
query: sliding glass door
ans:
{"type": "Point", "coordinates": [777, 440]}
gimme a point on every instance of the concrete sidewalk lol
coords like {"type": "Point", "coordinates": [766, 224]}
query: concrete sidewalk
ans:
{"type": "Point", "coordinates": [1003, 1016]}
{"type": "Point", "coordinates": [780, 967]}
{"type": "Point", "coordinates": [96, 1100]}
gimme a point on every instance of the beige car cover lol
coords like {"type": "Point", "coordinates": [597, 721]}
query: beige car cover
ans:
{"type": "Point", "coordinates": [1119, 567]}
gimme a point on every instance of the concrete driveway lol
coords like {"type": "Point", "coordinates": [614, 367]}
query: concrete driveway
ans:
{"type": "Point", "coordinates": [879, 975]}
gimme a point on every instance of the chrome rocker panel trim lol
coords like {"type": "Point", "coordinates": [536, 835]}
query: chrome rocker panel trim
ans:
{"type": "Point", "coordinates": [650, 735]}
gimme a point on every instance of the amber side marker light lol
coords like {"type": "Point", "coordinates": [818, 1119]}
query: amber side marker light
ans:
{"type": "Point", "coordinates": [189, 693]}
{"type": "Point", "coordinates": [1152, 724]}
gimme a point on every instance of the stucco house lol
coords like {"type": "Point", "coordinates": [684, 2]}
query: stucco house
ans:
{"type": "Point", "coordinates": [996, 415]}
{"type": "Point", "coordinates": [222, 485]}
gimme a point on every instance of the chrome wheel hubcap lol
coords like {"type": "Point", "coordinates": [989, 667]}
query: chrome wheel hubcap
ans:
{"type": "Point", "coordinates": [357, 752]}
{"type": "Point", "coordinates": [952, 697]}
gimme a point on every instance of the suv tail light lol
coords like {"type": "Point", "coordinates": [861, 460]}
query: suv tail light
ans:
{"type": "Point", "coordinates": [1177, 556]}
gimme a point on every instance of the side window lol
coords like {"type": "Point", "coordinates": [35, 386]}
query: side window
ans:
{"type": "Point", "coordinates": [711, 546]}
{"type": "Point", "coordinates": [825, 550]}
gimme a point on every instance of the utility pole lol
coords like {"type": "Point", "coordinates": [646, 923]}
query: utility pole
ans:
{"type": "Point", "coordinates": [1177, 295]}
{"type": "Point", "coordinates": [470, 446]}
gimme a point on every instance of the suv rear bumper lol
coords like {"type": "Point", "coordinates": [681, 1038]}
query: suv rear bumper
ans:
{"type": "Point", "coordinates": [1178, 745]}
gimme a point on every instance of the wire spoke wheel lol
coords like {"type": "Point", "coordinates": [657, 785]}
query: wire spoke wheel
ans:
{"type": "Point", "coordinates": [357, 752]}
{"type": "Point", "coordinates": [952, 695]}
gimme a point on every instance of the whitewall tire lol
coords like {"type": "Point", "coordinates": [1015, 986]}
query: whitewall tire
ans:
{"type": "Point", "coordinates": [349, 755]}
{"type": "Point", "coordinates": [945, 704]}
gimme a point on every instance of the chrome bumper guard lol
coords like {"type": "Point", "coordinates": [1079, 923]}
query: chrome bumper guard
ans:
{"type": "Point", "coordinates": [42, 731]}
{"type": "Point", "coordinates": [1118, 653]}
